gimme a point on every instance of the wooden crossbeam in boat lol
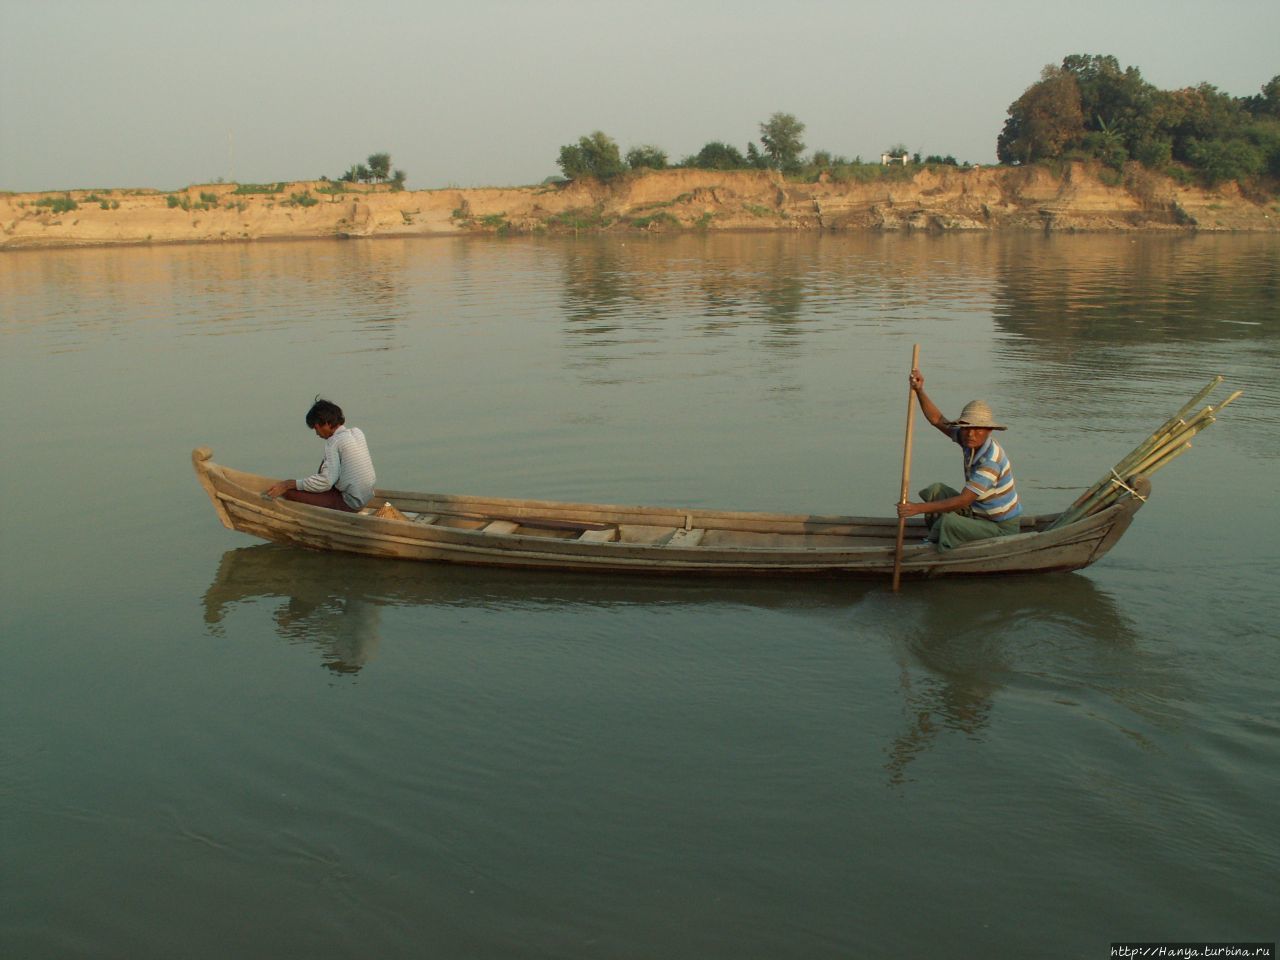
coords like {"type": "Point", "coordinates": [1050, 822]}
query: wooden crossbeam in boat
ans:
{"type": "Point", "coordinates": [687, 538]}
{"type": "Point", "coordinates": [544, 523]}
{"type": "Point", "coordinates": [608, 535]}
{"type": "Point", "coordinates": [501, 527]}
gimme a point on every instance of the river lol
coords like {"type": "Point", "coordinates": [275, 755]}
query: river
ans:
{"type": "Point", "coordinates": [215, 747]}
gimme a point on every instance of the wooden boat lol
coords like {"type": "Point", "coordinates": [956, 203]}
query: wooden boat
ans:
{"type": "Point", "coordinates": [599, 538]}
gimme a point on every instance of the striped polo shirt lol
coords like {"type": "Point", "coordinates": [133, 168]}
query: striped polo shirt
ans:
{"type": "Point", "coordinates": [988, 473]}
{"type": "Point", "coordinates": [347, 466]}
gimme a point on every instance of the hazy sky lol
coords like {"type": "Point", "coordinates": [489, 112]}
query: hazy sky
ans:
{"type": "Point", "coordinates": [110, 93]}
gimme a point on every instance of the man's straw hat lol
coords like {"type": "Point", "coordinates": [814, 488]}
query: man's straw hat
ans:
{"type": "Point", "coordinates": [976, 413]}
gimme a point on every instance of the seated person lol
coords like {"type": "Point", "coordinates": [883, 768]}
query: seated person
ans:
{"type": "Point", "coordinates": [345, 479]}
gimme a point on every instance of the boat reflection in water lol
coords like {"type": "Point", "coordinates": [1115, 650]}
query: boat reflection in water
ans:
{"type": "Point", "coordinates": [315, 606]}
{"type": "Point", "coordinates": [334, 601]}
{"type": "Point", "coordinates": [961, 645]}
{"type": "Point", "coordinates": [1059, 637]}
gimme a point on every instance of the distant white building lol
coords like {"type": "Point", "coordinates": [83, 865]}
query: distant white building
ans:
{"type": "Point", "coordinates": [888, 159]}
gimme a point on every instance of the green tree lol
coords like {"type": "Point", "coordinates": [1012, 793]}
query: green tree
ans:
{"type": "Point", "coordinates": [780, 135]}
{"type": "Point", "coordinates": [1045, 121]}
{"type": "Point", "coordinates": [1204, 113]}
{"type": "Point", "coordinates": [1155, 152]}
{"type": "Point", "coordinates": [1220, 160]}
{"type": "Point", "coordinates": [1226, 138]}
{"type": "Point", "coordinates": [1116, 103]}
{"type": "Point", "coordinates": [1267, 103]}
{"type": "Point", "coordinates": [648, 156]}
{"type": "Point", "coordinates": [594, 156]}
{"type": "Point", "coordinates": [1265, 135]}
{"type": "Point", "coordinates": [379, 166]}
{"type": "Point", "coordinates": [717, 156]}
{"type": "Point", "coordinates": [1107, 145]}
{"type": "Point", "coordinates": [755, 158]}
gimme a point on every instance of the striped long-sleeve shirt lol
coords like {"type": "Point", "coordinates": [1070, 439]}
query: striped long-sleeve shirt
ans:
{"type": "Point", "coordinates": [347, 466]}
{"type": "Point", "coordinates": [989, 474]}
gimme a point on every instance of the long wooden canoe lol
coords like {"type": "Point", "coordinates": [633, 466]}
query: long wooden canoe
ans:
{"type": "Point", "coordinates": [601, 538]}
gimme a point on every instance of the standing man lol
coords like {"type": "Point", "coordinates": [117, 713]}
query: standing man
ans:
{"type": "Point", "coordinates": [346, 478]}
{"type": "Point", "coordinates": [988, 506]}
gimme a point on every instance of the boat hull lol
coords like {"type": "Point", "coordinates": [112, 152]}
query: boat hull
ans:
{"type": "Point", "coordinates": [602, 538]}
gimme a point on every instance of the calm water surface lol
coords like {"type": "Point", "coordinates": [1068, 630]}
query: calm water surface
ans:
{"type": "Point", "coordinates": [215, 747]}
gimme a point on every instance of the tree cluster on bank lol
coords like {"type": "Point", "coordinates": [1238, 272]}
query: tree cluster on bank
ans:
{"type": "Point", "coordinates": [781, 148]}
{"type": "Point", "coordinates": [598, 154]}
{"type": "Point", "coordinates": [1090, 108]}
{"type": "Point", "coordinates": [377, 169]}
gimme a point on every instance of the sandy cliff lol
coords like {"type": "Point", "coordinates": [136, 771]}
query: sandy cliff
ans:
{"type": "Point", "coordinates": [932, 199]}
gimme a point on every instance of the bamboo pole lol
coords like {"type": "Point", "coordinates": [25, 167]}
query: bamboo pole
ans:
{"type": "Point", "coordinates": [1168, 458]}
{"type": "Point", "coordinates": [906, 470]}
{"type": "Point", "coordinates": [1230, 400]}
{"type": "Point", "coordinates": [1168, 427]}
{"type": "Point", "coordinates": [1109, 494]}
{"type": "Point", "coordinates": [1170, 454]}
{"type": "Point", "coordinates": [1118, 492]}
{"type": "Point", "coordinates": [1150, 455]}
{"type": "Point", "coordinates": [1156, 459]}
{"type": "Point", "coordinates": [1203, 394]}
{"type": "Point", "coordinates": [1201, 421]}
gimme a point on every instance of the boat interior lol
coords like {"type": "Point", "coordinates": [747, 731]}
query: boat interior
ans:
{"type": "Point", "coordinates": [683, 530]}
{"type": "Point", "coordinates": [642, 526]}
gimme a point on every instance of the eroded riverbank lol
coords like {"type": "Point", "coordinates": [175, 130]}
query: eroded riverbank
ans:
{"type": "Point", "coordinates": [932, 199]}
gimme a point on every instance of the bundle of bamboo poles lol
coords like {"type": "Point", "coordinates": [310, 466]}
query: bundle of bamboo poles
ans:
{"type": "Point", "coordinates": [1170, 441]}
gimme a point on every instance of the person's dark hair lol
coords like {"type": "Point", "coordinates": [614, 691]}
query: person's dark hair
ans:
{"type": "Point", "coordinates": [326, 412]}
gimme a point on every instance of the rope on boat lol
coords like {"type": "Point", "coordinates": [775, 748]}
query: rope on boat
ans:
{"type": "Point", "coordinates": [1119, 481]}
